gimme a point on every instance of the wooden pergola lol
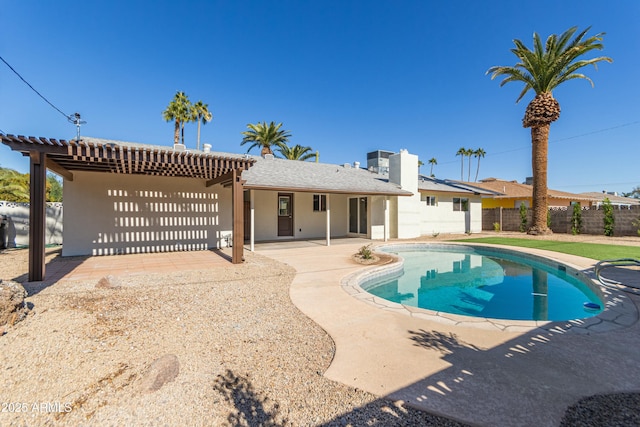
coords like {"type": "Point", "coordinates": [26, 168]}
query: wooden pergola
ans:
{"type": "Point", "coordinates": [104, 156]}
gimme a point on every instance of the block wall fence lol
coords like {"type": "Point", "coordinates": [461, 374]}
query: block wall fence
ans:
{"type": "Point", "coordinates": [592, 220]}
{"type": "Point", "coordinates": [15, 231]}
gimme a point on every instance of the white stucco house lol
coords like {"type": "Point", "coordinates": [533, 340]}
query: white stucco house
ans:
{"type": "Point", "coordinates": [122, 197]}
{"type": "Point", "coordinates": [282, 200]}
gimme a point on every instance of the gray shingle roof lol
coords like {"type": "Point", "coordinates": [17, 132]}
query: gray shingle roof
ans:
{"type": "Point", "coordinates": [427, 183]}
{"type": "Point", "coordinates": [295, 175]}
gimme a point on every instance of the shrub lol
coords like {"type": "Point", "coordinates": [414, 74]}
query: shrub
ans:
{"type": "Point", "coordinates": [496, 226]}
{"type": "Point", "coordinates": [523, 218]}
{"type": "Point", "coordinates": [609, 220]}
{"type": "Point", "coordinates": [365, 252]}
{"type": "Point", "coordinates": [576, 219]}
{"type": "Point", "coordinates": [636, 223]}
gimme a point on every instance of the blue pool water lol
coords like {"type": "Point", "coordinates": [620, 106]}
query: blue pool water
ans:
{"type": "Point", "coordinates": [484, 282]}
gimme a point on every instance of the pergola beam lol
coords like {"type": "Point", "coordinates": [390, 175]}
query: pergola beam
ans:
{"type": "Point", "coordinates": [221, 179]}
{"type": "Point", "coordinates": [65, 173]}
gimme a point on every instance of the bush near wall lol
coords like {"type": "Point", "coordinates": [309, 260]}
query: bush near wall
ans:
{"type": "Point", "coordinates": [592, 220]}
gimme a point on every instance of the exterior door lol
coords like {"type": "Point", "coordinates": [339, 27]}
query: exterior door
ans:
{"type": "Point", "coordinates": [285, 214]}
{"type": "Point", "coordinates": [358, 215]}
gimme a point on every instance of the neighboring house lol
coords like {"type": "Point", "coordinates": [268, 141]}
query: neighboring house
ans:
{"type": "Point", "coordinates": [614, 198]}
{"type": "Point", "coordinates": [512, 194]}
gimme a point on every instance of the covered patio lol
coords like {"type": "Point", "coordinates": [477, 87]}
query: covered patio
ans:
{"type": "Point", "coordinates": [68, 158]}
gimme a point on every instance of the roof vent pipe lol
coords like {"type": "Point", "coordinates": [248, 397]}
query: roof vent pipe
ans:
{"type": "Point", "coordinates": [356, 165]}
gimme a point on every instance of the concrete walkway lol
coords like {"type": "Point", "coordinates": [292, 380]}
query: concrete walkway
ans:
{"type": "Point", "coordinates": [481, 376]}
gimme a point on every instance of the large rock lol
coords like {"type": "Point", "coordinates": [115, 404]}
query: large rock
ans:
{"type": "Point", "coordinates": [12, 305]}
{"type": "Point", "coordinates": [161, 371]}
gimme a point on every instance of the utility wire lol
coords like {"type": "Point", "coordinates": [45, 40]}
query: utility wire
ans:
{"type": "Point", "coordinates": [66, 116]}
{"type": "Point", "coordinates": [555, 140]}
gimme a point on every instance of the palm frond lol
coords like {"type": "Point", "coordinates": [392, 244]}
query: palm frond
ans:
{"type": "Point", "coordinates": [546, 66]}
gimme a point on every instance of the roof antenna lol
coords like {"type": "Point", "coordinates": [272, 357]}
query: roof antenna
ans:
{"type": "Point", "coordinates": [75, 119]}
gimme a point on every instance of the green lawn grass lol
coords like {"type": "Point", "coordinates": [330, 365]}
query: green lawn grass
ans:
{"type": "Point", "coordinates": [588, 250]}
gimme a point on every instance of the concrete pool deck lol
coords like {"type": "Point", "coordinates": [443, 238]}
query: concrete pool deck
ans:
{"type": "Point", "coordinates": [479, 374]}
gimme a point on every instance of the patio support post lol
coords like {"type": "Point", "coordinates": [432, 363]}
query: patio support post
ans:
{"type": "Point", "coordinates": [37, 215]}
{"type": "Point", "coordinates": [238, 214]}
{"type": "Point", "coordinates": [328, 220]}
{"type": "Point", "coordinates": [253, 217]}
{"type": "Point", "coordinates": [386, 218]}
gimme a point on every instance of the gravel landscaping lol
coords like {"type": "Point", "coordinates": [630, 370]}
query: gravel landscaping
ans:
{"type": "Point", "coordinates": [246, 356]}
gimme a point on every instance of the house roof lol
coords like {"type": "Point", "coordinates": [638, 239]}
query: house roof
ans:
{"type": "Point", "coordinates": [614, 199]}
{"type": "Point", "coordinates": [513, 189]}
{"type": "Point", "coordinates": [295, 175]}
{"type": "Point", "coordinates": [104, 155]}
{"type": "Point", "coordinates": [426, 183]}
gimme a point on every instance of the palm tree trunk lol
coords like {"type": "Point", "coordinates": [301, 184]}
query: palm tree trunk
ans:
{"type": "Point", "coordinates": [462, 167]}
{"type": "Point", "coordinates": [477, 169]}
{"type": "Point", "coordinates": [176, 132]}
{"type": "Point", "coordinates": [539, 156]}
{"type": "Point", "coordinates": [198, 142]}
{"type": "Point", "coordinates": [469, 170]}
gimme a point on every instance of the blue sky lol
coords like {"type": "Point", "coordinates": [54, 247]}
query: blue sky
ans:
{"type": "Point", "coordinates": [344, 77]}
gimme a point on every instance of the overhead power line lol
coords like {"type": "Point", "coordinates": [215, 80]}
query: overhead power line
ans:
{"type": "Point", "coordinates": [67, 116]}
{"type": "Point", "coordinates": [75, 118]}
{"type": "Point", "coordinates": [523, 147]}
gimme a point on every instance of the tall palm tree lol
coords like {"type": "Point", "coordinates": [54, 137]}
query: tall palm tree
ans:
{"type": "Point", "coordinates": [265, 136]}
{"type": "Point", "coordinates": [201, 114]}
{"type": "Point", "coordinates": [478, 154]}
{"type": "Point", "coordinates": [178, 110]}
{"type": "Point", "coordinates": [543, 69]}
{"type": "Point", "coordinates": [469, 152]}
{"type": "Point", "coordinates": [461, 152]}
{"type": "Point", "coordinates": [432, 161]}
{"type": "Point", "coordinates": [297, 152]}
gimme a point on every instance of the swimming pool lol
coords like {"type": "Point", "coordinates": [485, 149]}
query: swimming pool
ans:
{"type": "Point", "coordinates": [486, 282]}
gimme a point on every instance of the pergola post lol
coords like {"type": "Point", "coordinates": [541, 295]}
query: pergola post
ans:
{"type": "Point", "coordinates": [37, 215]}
{"type": "Point", "coordinates": [237, 195]}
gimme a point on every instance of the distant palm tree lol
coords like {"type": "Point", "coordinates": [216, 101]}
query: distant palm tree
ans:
{"type": "Point", "coordinates": [420, 164]}
{"type": "Point", "coordinates": [297, 152]}
{"type": "Point", "coordinates": [461, 152]}
{"type": "Point", "coordinates": [265, 136]}
{"type": "Point", "coordinates": [432, 161]}
{"type": "Point", "coordinates": [469, 152]}
{"type": "Point", "coordinates": [14, 186]}
{"type": "Point", "coordinates": [201, 114]}
{"type": "Point", "coordinates": [178, 110]}
{"type": "Point", "coordinates": [478, 154]}
{"type": "Point", "coordinates": [543, 69]}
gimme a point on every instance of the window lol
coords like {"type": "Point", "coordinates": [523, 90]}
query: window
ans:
{"type": "Point", "coordinates": [429, 200]}
{"type": "Point", "coordinates": [319, 203]}
{"type": "Point", "coordinates": [460, 204]}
